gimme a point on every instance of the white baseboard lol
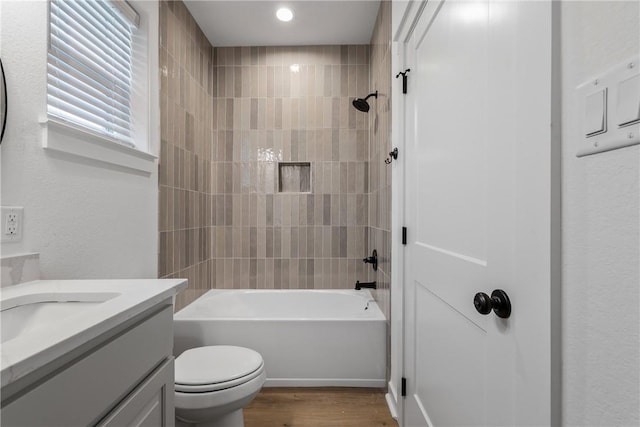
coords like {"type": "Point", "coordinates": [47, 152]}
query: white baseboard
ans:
{"type": "Point", "coordinates": [392, 406]}
{"type": "Point", "coordinates": [392, 401]}
{"type": "Point", "coordinates": [324, 382]}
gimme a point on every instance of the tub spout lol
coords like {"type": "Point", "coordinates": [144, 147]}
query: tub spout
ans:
{"type": "Point", "coordinates": [370, 285]}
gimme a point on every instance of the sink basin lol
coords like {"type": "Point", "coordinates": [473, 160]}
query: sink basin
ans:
{"type": "Point", "coordinates": [43, 321]}
{"type": "Point", "coordinates": [24, 314]}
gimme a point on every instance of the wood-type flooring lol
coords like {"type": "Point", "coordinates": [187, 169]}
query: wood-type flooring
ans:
{"type": "Point", "coordinates": [319, 407]}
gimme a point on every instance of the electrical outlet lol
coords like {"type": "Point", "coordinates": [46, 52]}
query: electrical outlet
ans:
{"type": "Point", "coordinates": [12, 223]}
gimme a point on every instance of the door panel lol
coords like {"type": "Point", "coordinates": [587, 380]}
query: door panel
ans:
{"type": "Point", "coordinates": [470, 169]}
{"type": "Point", "coordinates": [449, 383]}
{"type": "Point", "coordinates": [452, 152]}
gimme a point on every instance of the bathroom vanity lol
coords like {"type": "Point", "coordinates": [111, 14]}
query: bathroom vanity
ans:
{"type": "Point", "coordinates": [88, 352]}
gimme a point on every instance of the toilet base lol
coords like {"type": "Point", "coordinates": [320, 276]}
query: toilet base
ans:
{"type": "Point", "coordinates": [233, 419]}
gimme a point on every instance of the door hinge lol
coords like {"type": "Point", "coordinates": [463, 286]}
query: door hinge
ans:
{"type": "Point", "coordinates": [403, 387]}
{"type": "Point", "coordinates": [404, 235]}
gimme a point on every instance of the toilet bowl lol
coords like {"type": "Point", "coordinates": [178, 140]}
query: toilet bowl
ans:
{"type": "Point", "coordinates": [214, 383]}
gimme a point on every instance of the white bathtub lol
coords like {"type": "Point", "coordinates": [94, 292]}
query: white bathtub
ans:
{"type": "Point", "coordinates": [308, 338]}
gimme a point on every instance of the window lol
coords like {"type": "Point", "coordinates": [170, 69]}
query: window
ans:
{"type": "Point", "coordinates": [90, 70]}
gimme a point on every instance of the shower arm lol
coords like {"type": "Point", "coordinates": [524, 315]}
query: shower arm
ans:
{"type": "Point", "coordinates": [374, 94]}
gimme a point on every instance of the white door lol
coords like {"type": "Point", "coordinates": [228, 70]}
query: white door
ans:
{"type": "Point", "coordinates": [478, 210]}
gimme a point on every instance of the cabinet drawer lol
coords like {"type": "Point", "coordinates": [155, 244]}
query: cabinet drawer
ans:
{"type": "Point", "coordinates": [151, 404]}
{"type": "Point", "coordinates": [88, 389]}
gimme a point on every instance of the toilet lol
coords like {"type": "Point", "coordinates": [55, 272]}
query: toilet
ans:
{"type": "Point", "coordinates": [214, 383]}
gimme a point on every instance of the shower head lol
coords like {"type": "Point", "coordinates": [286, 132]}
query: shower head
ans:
{"type": "Point", "coordinates": [362, 104]}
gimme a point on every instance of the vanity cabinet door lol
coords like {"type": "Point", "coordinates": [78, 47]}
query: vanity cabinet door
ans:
{"type": "Point", "coordinates": [86, 391]}
{"type": "Point", "coordinates": [151, 404]}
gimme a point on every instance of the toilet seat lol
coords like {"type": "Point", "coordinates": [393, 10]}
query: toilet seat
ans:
{"type": "Point", "coordinates": [213, 368]}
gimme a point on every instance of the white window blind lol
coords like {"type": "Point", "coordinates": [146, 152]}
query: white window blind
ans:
{"type": "Point", "coordinates": [90, 65]}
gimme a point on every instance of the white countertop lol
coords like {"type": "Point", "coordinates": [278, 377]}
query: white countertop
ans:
{"type": "Point", "coordinates": [44, 344]}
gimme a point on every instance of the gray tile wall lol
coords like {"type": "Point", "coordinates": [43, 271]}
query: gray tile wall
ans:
{"type": "Point", "coordinates": [290, 104]}
{"type": "Point", "coordinates": [379, 229]}
{"type": "Point", "coordinates": [229, 116]}
{"type": "Point", "coordinates": [187, 131]}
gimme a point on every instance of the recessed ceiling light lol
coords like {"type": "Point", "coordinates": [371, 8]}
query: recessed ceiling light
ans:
{"type": "Point", "coordinates": [295, 68]}
{"type": "Point", "coordinates": [284, 14]}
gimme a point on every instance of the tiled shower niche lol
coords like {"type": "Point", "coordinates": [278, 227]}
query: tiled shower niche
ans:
{"type": "Point", "coordinates": [294, 177]}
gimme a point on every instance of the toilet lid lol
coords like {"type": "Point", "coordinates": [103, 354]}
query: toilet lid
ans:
{"type": "Point", "coordinates": [215, 364]}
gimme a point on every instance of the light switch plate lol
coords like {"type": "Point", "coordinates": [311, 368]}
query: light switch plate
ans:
{"type": "Point", "coordinates": [620, 97]}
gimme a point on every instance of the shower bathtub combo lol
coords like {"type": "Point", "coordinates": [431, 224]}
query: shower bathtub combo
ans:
{"type": "Point", "coordinates": [306, 337]}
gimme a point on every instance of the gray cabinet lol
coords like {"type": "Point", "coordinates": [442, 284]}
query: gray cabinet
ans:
{"type": "Point", "coordinates": [149, 405]}
{"type": "Point", "coordinates": [124, 378]}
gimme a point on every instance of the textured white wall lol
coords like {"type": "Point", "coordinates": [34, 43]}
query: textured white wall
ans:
{"type": "Point", "coordinates": [86, 219]}
{"type": "Point", "coordinates": [601, 237]}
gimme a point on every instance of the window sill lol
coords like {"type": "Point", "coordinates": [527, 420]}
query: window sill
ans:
{"type": "Point", "coordinates": [66, 138]}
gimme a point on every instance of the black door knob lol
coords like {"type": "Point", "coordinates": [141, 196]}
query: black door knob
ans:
{"type": "Point", "coordinates": [482, 302]}
{"type": "Point", "coordinates": [498, 302]}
